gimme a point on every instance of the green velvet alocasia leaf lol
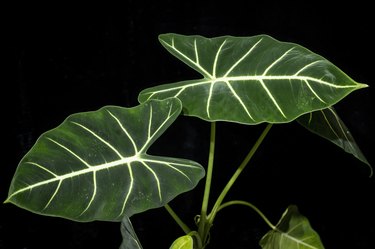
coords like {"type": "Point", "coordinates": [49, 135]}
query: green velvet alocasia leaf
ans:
{"type": "Point", "coordinates": [251, 80]}
{"type": "Point", "coordinates": [95, 166]}
{"type": "Point", "coordinates": [327, 124]}
{"type": "Point", "coordinates": [293, 231]}
{"type": "Point", "coordinates": [129, 237]}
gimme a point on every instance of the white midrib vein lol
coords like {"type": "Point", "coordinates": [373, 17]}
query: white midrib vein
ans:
{"type": "Point", "coordinates": [258, 78]}
{"type": "Point", "coordinates": [296, 240]}
{"type": "Point", "coordinates": [96, 168]}
{"type": "Point", "coordinates": [91, 169]}
{"type": "Point", "coordinates": [262, 79]}
{"type": "Point", "coordinates": [290, 237]}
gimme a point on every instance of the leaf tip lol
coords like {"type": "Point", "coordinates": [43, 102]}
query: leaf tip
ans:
{"type": "Point", "coordinates": [362, 85]}
{"type": "Point", "coordinates": [162, 37]}
{"type": "Point", "coordinates": [6, 201]}
{"type": "Point", "coordinates": [371, 171]}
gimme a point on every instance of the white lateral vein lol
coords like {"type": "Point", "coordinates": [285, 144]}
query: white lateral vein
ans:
{"type": "Point", "coordinates": [149, 124]}
{"type": "Point", "coordinates": [93, 193]}
{"type": "Point", "coordinates": [43, 168]}
{"type": "Point", "coordinates": [202, 70]}
{"type": "Point", "coordinates": [196, 52]}
{"type": "Point", "coordinates": [312, 90]}
{"type": "Point", "coordinates": [155, 177]}
{"type": "Point", "coordinates": [53, 195]}
{"type": "Point", "coordinates": [307, 66]}
{"type": "Point", "coordinates": [156, 131]}
{"type": "Point", "coordinates": [125, 131]}
{"type": "Point", "coordinates": [70, 151]}
{"type": "Point", "coordinates": [276, 61]}
{"type": "Point", "coordinates": [272, 98]}
{"type": "Point", "coordinates": [216, 59]}
{"type": "Point", "coordinates": [99, 138]}
{"type": "Point", "coordinates": [175, 169]}
{"type": "Point", "coordinates": [209, 99]}
{"type": "Point", "coordinates": [174, 163]}
{"type": "Point", "coordinates": [239, 100]}
{"type": "Point", "coordinates": [242, 58]}
{"type": "Point", "coordinates": [129, 190]}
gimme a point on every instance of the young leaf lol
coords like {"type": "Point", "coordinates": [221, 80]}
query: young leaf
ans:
{"type": "Point", "coordinates": [129, 237]}
{"type": "Point", "coordinates": [292, 232]}
{"type": "Point", "coordinates": [251, 79]}
{"type": "Point", "coordinates": [326, 123]}
{"type": "Point", "coordinates": [183, 242]}
{"type": "Point", "coordinates": [94, 166]}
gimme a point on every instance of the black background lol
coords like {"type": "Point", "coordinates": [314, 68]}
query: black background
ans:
{"type": "Point", "coordinates": [67, 59]}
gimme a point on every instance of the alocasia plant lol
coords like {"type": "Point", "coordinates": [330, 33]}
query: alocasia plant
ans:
{"type": "Point", "coordinates": [95, 166]}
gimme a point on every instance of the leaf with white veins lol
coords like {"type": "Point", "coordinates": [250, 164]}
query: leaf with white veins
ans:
{"type": "Point", "coordinates": [94, 166]}
{"type": "Point", "coordinates": [251, 80]}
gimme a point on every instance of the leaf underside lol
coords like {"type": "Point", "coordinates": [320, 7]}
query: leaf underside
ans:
{"type": "Point", "coordinates": [292, 232]}
{"type": "Point", "coordinates": [251, 80]}
{"type": "Point", "coordinates": [327, 124]}
{"type": "Point", "coordinates": [129, 237]}
{"type": "Point", "coordinates": [94, 166]}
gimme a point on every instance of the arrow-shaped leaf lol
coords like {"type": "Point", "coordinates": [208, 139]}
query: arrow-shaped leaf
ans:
{"type": "Point", "coordinates": [94, 166]}
{"type": "Point", "coordinates": [251, 79]}
{"type": "Point", "coordinates": [292, 232]}
{"type": "Point", "coordinates": [326, 123]}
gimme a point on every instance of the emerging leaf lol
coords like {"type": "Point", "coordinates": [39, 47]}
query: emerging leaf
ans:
{"type": "Point", "coordinates": [94, 166]}
{"type": "Point", "coordinates": [183, 242]}
{"type": "Point", "coordinates": [292, 232]}
{"type": "Point", "coordinates": [251, 80]}
{"type": "Point", "coordinates": [326, 123]}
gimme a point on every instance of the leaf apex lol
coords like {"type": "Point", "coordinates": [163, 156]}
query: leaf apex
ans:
{"type": "Point", "coordinates": [371, 171]}
{"type": "Point", "coordinates": [362, 85]}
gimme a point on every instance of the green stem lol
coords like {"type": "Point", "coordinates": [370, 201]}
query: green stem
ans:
{"type": "Point", "coordinates": [184, 227]}
{"type": "Point", "coordinates": [197, 237]}
{"type": "Point", "coordinates": [203, 217]}
{"type": "Point", "coordinates": [232, 180]}
{"type": "Point", "coordinates": [248, 204]}
{"type": "Point", "coordinates": [207, 189]}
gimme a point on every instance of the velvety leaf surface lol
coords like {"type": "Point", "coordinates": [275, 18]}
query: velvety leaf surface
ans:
{"type": "Point", "coordinates": [251, 79]}
{"type": "Point", "coordinates": [292, 232]}
{"type": "Point", "coordinates": [95, 166]}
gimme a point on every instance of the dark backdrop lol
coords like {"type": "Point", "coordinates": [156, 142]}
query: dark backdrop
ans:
{"type": "Point", "coordinates": [67, 59]}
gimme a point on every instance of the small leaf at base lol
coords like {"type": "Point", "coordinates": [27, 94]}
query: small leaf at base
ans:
{"type": "Point", "coordinates": [292, 232]}
{"type": "Point", "coordinates": [183, 242]}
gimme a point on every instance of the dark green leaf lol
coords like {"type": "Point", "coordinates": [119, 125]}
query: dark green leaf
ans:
{"type": "Point", "coordinates": [95, 166]}
{"type": "Point", "coordinates": [251, 79]}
